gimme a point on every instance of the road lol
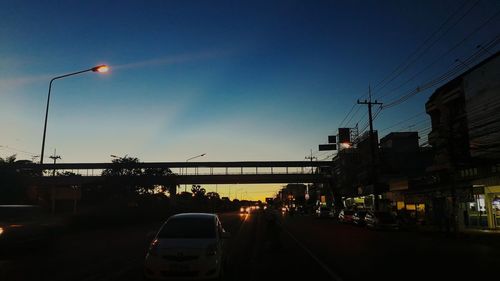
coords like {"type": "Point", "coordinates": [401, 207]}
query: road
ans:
{"type": "Point", "coordinates": [295, 247]}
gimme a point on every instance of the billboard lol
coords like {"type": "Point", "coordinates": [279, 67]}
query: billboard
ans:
{"type": "Point", "coordinates": [327, 147]}
{"type": "Point", "coordinates": [344, 135]}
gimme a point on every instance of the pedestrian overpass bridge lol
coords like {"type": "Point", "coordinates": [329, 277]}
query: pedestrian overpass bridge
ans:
{"type": "Point", "coordinates": [245, 172]}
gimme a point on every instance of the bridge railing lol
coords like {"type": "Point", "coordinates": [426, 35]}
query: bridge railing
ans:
{"type": "Point", "coordinates": [185, 168]}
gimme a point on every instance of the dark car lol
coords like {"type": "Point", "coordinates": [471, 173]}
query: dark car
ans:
{"type": "Point", "coordinates": [24, 226]}
{"type": "Point", "coordinates": [381, 220]}
{"type": "Point", "coordinates": [324, 212]}
{"type": "Point", "coordinates": [346, 216]}
{"type": "Point", "coordinates": [359, 217]}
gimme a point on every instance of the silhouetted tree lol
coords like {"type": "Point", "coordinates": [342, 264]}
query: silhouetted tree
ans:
{"type": "Point", "coordinates": [198, 191]}
{"type": "Point", "coordinates": [14, 180]}
{"type": "Point", "coordinates": [8, 160]}
{"type": "Point", "coordinates": [213, 196]}
{"type": "Point", "coordinates": [130, 186]}
{"type": "Point", "coordinates": [159, 172]}
{"type": "Point", "coordinates": [122, 169]}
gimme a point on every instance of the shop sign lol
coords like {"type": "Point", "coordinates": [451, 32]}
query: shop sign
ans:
{"type": "Point", "coordinates": [478, 189]}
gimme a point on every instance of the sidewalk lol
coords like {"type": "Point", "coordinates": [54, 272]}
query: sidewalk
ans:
{"type": "Point", "coordinates": [474, 235]}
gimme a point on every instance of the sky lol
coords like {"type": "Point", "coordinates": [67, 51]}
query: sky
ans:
{"type": "Point", "coordinates": [237, 80]}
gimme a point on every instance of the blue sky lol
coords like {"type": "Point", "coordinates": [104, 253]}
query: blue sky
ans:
{"type": "Point", "coordinates": [238, 80]}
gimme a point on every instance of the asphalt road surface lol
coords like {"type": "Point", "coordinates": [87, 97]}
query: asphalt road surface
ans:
{"type": "Point", "coordinates": [263, 248]}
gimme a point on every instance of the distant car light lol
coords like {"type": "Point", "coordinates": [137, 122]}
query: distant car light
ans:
{"type": "Point", "coordinates": [1, 230]}
{"type": "Point", "coordinates": [242, 209]}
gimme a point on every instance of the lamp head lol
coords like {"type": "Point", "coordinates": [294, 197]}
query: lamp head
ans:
{"type": "Point", "coordinates": [101, 68]}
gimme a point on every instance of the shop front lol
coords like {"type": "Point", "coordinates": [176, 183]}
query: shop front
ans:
{"type": "Point", "coordinates": [492, 206]}
{"type": "Point", "coordinates": [482, 209]}
{"type": "Point", "coordinates": [472, 209]}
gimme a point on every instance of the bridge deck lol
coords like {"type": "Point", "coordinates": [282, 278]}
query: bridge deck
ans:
{"type": "Point", "coordinates": [187, 172]}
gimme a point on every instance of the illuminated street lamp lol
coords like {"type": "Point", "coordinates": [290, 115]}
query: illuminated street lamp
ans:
{"type": "Point", "coordinates": [100, 68]}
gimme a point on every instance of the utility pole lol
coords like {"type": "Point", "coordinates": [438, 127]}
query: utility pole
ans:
{"type": "Point", "coordinates": [311, 158]}
{"type": "Point", "coordinates": [54, 157]}
{"type": "Point", "coordinates": [312, 172]}
{"type": "Point", "coordinates": [374, 175]}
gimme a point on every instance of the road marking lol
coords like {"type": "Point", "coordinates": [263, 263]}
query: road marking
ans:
{"type": "Point", "coordinates": [332, 274]}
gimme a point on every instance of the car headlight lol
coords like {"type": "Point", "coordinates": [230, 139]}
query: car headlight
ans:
{"type": "Point", "coordinates": [1, 231]}
{"type": "Point", "coordinates": [153, 247]}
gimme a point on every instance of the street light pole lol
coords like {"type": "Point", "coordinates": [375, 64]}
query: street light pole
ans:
{"type": "Point", "coordinates": [185, 168]}
{"type": "Point", "coordinates": [99, 68]}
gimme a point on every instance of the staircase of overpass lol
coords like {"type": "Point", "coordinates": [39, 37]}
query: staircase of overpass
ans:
{"type": "Point", "coordinates": [245, 172]}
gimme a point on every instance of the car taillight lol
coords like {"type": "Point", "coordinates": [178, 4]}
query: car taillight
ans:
{"type": "Point", "coordinates": [212, 250]}
{"type": "Point", "coordinates": [153, 247]}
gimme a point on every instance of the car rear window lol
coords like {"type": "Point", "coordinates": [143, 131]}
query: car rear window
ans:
{"type": "Point", "coordinates": [188, 228]}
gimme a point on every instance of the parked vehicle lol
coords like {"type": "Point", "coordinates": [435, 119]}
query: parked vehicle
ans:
{"type": "Point", "coordinates": [324, 212]}
{"type": "Point", "coordinates": [25, 226]}
{"type": "Point", "coordinates": [381, 220]}
{"type": "Point", "coordinates": [346, 216]}
{"type": "Point", "coordinates": [359, 217]}
{"type": "Point", "coordinates": [187, 246]}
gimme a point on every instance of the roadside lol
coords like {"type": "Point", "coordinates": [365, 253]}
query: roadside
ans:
{"type": "Point", "coordinates": [357, 253]}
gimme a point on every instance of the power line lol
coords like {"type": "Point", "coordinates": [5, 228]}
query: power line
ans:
{"type": "Point", "coordinates": [398, 73]}
{"type": "Point", "coordinates": [451, 73]}
{"type": "Point", "coordinates": [416, 125]}
{"type": "Point", "coordinates": [491, 44]}
{"type": "Point", "coordinates": [402, 122]}
{"type": "Point", "coordinates": [343, 120]}
{"type": "Point", "coordinates": [361, 118]}
{"type": "Point", "coordinates": [18, 150]}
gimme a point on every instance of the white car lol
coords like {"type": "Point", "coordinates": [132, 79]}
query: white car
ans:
{"type": "Point", "coordinates": [187, 247]}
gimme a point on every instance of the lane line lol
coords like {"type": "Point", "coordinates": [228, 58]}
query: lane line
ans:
{"type": "Point", "coordinates": [332, 274]}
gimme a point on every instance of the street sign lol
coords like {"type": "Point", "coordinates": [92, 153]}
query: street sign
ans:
{"type": "Point", "coordinates": [332, 139]}
{"type": "Point", "coordinates": [326, 147]}
{"type": "Point", "coordinates": [478, 189]}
